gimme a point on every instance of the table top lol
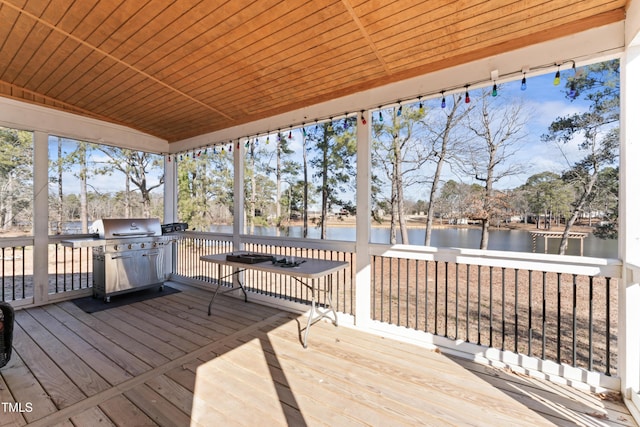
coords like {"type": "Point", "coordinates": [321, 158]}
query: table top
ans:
{"type": "Point", "coordinates": [309, 268]}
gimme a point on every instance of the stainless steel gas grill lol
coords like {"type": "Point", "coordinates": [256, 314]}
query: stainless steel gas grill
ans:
{"type": "Point", "coordinates": [131, 258]}
{"type": "Point", "coordinates": [128, 254]}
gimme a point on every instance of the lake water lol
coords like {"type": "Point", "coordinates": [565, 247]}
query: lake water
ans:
{"type": "Point", "coordinates": [499, 240]}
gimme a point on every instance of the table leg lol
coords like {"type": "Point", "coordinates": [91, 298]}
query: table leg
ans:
{"type": "Point", "coordinates": [315, 314]}
{"type": "Point", "coordinates": [219, 281]}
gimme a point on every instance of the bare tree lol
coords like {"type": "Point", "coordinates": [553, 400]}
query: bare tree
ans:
{"type": "Point", "coordinates": [444, 140]}
{"type": "Point", "coordinates": [400, 151]}
{"type": "Point", "coordinates": [135, 166]}
{"type": "Point", "coordinates": [496, 129]}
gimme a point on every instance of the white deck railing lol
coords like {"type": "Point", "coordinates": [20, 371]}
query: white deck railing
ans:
{"type": "Point", "coordinates": [543, 312]}
{"type": "Point", "coordinates": [560, 310]}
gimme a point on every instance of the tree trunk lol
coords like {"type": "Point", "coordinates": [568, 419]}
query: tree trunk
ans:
{"type": "Point", "coordinates": [325, 189]}
{"type": "Point", "coordinates": [278, 183]}
{"type": "Point", "coordinates": [305, 190]}
{"type": "Point", "coordinates": [564, 242]}
{"type": "Point", "coordinates": [399, 186]}
{"type": "Point", "coordinates": [392, 226]}
{"type": "Point", "coordinates": [432, 196]}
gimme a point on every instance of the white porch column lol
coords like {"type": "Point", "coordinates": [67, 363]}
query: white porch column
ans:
{"type": "Point", "coordinates": [170, 190]}
{"type": "Point", "coordinates": [40, 218]}
{"type": "Point", "coordinates": [629, 214]}
{"type": "Point", "coordinates": [170, 209]}
{"type": "Point", "coordinates": [238, 195]}
{"type": "Point", "coordinates": [363, 223]}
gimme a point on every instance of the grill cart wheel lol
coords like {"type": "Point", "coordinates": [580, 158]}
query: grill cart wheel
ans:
{"type": "Point", "coordinates": [6, 332]}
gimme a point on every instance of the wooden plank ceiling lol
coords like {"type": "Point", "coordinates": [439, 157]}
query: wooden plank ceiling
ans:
{"type": "Point", "coordinates": [177, 69]}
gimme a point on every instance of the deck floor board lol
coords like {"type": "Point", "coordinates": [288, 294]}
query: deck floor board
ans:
{"type": "Point", "coordinates": [166, 362]}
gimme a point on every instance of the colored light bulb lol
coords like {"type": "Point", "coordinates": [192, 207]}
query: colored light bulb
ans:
{"type": "Point", "coordinates": [523, 86]}
{"type": "Point", "coordinates": [443, 104]}
{"type": "Point", "coordinates": [380, 116]}
{"type": "Point", "coordinates": [467, 98]}
{"type": "Point", "coordinates": [494, 91]}
{"type": "Point", "coordinates": [572, 91]}
{"type": "Point", "coordinates": [556, 80]}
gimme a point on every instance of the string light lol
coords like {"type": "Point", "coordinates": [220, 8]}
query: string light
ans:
{"type": "Point", "coordinates": [572, 88]}
{"type": "Point", "coordinates": [571, 93]}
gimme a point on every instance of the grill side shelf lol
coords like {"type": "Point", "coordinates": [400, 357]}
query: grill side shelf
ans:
{"type": "Point", "coordinates": [88, 242]}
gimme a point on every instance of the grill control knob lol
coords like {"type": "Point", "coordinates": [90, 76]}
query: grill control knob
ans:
{"type": "Point", "coordinates": [129, 246]}
{"type": "Point", "coordinates": [115, 247]}
{"type": "Point", "coordinates": [141, 245]}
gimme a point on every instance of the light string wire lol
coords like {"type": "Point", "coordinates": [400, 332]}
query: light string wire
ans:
{"type": "Point", "coordinates": [230, 145]}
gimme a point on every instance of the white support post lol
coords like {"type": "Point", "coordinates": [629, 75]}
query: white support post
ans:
{"type": "Point", "coordinates": [629, 226]}
{"type": "Point", "coordinates": [40, 218]}
{"type": "Point", "coordinates": [363, 223]}
{"type": "Point", "coordinates": [238, 195]}
{"type": "Point", "coordinates": [170, 190]}
{"type": "Point", "coordinates": [170, 209]}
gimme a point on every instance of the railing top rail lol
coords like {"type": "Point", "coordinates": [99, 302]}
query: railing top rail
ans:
{"type": "Point", "coordinates": [228, 237]}
{"type": "Point", "coordinates": [297, 242]}
{"type": "Point", "coordinates": [589, 266]}
{"type": "Point", "coordinates": [10, 242]}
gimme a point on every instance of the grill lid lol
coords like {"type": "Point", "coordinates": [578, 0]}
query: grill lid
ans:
{"type": "Point", "coordinates": [122, 228]}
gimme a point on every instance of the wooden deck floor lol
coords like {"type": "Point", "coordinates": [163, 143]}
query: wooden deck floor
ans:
{"type": "Point", "coordinates": [164, 362]}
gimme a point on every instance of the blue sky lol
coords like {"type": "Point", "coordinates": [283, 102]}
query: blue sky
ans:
{"type": "Point", "coordinates": [547, 102]}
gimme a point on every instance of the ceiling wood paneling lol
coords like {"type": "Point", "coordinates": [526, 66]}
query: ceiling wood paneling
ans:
{"type": "Point", "coordinates": [177, 69]}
